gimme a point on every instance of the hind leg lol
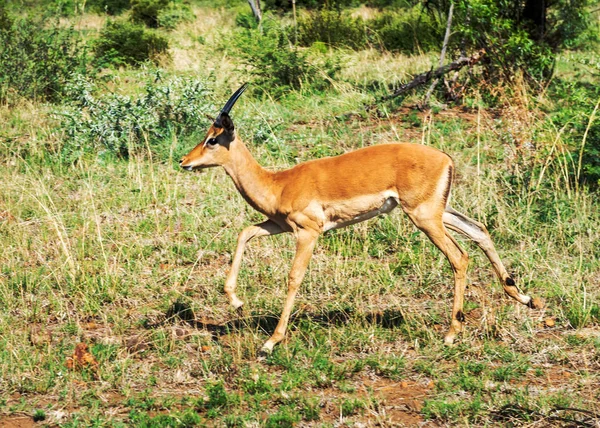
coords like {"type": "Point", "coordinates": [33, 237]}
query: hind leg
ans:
{"type": "Point", "coordinates": [479, 234]}
{"type": "Point", "coordinates": [459, 261]}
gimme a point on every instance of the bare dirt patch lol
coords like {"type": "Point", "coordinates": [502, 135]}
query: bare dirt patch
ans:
{"type": "Point", "coordinates": [402, 401]}
{"type": "Point", "coordinates": [16, 422]}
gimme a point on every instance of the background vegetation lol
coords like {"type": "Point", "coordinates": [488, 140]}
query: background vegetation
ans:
{"type": "Point", "coordinates": [112, 260]}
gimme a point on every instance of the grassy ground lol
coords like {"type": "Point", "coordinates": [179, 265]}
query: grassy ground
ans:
{"type": "Point", "coordinates": [129, 258]}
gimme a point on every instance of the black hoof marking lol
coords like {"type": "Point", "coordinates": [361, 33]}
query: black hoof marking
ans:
{"type": "Point", "coordinates": [510, 281]}
{"type": "Point", "coordinates": [263, 354]}
{"type": "Point", "coordinates": [460, 316]}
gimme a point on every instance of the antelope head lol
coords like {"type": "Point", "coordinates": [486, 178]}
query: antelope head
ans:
{"type": "Point", "coordinates": [214, 149]}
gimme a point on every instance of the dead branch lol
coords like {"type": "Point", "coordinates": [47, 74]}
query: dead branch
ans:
{"type": "Point", "coordinates": [442, 56]}
{"type": "Point", "coordinates": [255, 6]}
{"type": "Point", "coordinates": [431, 74]}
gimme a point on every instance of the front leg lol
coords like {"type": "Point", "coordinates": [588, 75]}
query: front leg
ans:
{"type": "Point", "coordinates": [305, 245]}
{"type": "Point", "coordinates": [262, 229]}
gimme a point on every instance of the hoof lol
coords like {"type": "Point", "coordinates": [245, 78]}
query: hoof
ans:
{"type": "Point", "coordinates": [536, 303]}
{"type": "Point", "coordinates": [236, 303]}
{"type": "Point", "coordinates": [240, 311]}
{"type": "Point", "coordinates": [264, 352]}
{"type": "Point", "coordinates": [449, 340]}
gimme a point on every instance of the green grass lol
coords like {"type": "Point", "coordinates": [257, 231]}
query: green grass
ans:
{"type": "Point", "coordinates": [130, 256]}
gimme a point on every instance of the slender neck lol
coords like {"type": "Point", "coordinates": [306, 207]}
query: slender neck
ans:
{"type": "Point", "coordinates": [256, 184]}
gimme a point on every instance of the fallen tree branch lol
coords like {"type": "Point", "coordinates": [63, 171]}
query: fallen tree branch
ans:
{"type": "Point", "coordinates": [431, 74]}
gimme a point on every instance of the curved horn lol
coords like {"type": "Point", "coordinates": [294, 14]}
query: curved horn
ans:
{"type": "Point", "coordinates": [229, 104]}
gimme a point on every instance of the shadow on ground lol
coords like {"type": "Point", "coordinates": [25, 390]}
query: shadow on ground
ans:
{"type": "Point", "coordinates": [180, 311]}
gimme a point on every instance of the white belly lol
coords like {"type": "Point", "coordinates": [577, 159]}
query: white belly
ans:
{"type": "Point", "coordinates": [353, 211]}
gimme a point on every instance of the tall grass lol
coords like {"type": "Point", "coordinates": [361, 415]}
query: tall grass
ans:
{"type": "Point", "coordinates": [130, 256]}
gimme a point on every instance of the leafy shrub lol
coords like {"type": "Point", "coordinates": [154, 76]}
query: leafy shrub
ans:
{"type": "Point", "coordinates": [578, 97]}
{"type": "Point", "coordinates": [332, 27]}
{"type": "Point", "coordinates": [514, 43]}
{"type": "Point", "coordinates": [110, 7]}
{"type": "Point", "coordinates": [174, 14]}
{"type": "Point", "coordinates": [570, 25]}
{"type": "Point", "coordinates": [147, 11]}
{"type": "Point", "coordinates": [5, 20]}
{"type": "Point", "coordinates": [400, 31]}
{"type": "Point", "coordinates": [286, 4]}
{"type": "Point", "coordinates": [276, 64]}
{"type": "Point", "coordinates": [37, 59]}
{"type": "Point", "coordinates": [335, 4]}
{"type": "Point", "coordinates": [495, 26]}
{"type": "Point", "coordinates": [246, 20]}
{"type": "Point", "coordinates": [118, 125]}
{"type": "Point", "coordinates": [126, 43]}
{"type": "Point", "coordinates": [405, 31]}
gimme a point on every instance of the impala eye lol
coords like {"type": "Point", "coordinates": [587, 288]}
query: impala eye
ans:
{"type": "Point", "coordinates": [211, 141]}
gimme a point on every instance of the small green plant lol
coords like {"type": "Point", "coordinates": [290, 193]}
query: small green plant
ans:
{"type": "Point", "coordinates": [449, 411]}
{"type": "Point", "coordinates": [218, 398]}
{"type": "Point", "coordinates": [285, 417]}
{"type": "Point", "coordinates": [579, 311]}
{"type": "Point", "coordinates": [125, 43]}
{"type": "Point", "coordinates": [509, 372]}
{"type": "Point", "coordinates": [184, 419]}
{"type": "Point", "coordinates": [391, 367]}
{"type": "Point", "coordinates": [39, 415]}
{"type": "Point", "coordinates": [352, 406]}
{"type": "Point", "coordinates": [310, 409]}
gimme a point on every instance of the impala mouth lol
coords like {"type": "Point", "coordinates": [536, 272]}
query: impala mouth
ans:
{"type": "Point", "coordinates": [192, 168]}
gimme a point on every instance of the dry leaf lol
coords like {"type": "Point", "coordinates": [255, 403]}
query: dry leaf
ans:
{"type": "Point", "coordinates": [82, 359]}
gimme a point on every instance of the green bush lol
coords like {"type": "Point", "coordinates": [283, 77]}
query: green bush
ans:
{"type": "Point", "coordinates": [117, 125]}
{"type": "Point", "coordinates": [5, 20]}
{"type": "Point", "coordinates": [126, 43]}
{"type": "Point", "coordinates": [174, 14]}
{"type": "Point", "coordinates": [278, 66]}
{"type": "Point", "coordinates": [37, 59]}
{"type": "Point", "coordinates": [110, 7]}
{"type": "Point", "coordinates": [406, 30]}
{"type": "Point", "coordinates": [577, 102]}
{"type": "Point", "coordinates": [335, 4]}
{"type": "Point", "coordinates": [147, 11]}
{"type": "Point", "coordinates": [493, 25]}
{"type": "Point", "coordinates": [332, 27]}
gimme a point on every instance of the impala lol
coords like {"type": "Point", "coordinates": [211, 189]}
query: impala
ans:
{"type": "Point", "coordinates": [329, 193]}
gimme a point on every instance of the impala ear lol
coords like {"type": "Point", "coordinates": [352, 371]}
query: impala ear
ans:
{"type": "Point", "coordinates": [227, 123]}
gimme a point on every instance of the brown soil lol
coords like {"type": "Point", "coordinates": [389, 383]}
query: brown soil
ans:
{"type": "Point", "coordinates": [402, 401]}
{"type": "Point", "coordinates": [16, 422]}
